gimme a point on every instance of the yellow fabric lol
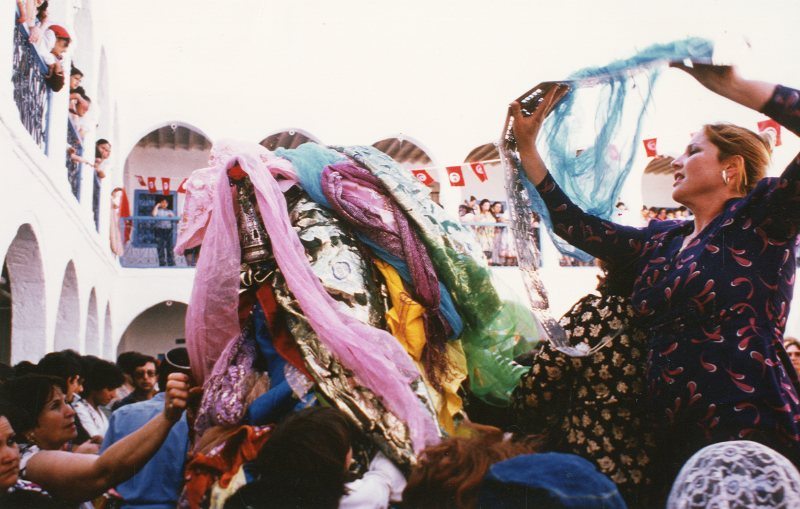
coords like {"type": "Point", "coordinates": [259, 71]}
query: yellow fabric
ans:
{"type": "Point", "coordinates": [219, 495]}
{"type": "Point", "coordinates": [405, 323]}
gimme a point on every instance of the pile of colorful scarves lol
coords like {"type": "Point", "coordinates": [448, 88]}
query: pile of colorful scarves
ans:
{"type": "Point", "coordinates": [373, 299]}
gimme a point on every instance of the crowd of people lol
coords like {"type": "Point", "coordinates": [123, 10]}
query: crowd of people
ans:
{"type": "Point", "coordinates": [491, 226]}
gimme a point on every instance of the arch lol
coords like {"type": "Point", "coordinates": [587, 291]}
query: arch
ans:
{"type": "Point", "coordinates": [410, 153]}
{"type": "Point", "coordinates": [107, 351]}
{"type": "Point", "coordinates": [288, 138]}
{"type": "Point", "coordinates": [155, 127]}
{"type": "Point", "coordinates": [155, 330]}
{"type": "Point", "coordinates": [5, 316]}
{"type": "Point", "coordinates": [92, 340]}
{"type": "Point", "coordinates": [68, 318]}
{"type": "Point", "coordinates": [28, 304]}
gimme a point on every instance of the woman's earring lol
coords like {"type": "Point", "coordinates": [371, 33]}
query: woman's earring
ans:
{"type": "Point", "coordinates": [725, 177]}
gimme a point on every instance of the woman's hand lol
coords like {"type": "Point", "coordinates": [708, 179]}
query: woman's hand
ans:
{"type": "Point", "coordinates": [726, 81]}
{"type": "Point", "coordinates": [175, 396]}
{"type": "Point", "coordinates": [526, 130]}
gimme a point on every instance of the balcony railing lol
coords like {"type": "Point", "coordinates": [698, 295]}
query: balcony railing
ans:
{"type": "Point", "coordinates": [30, 91]}
{"type": "Point", "coordinates": [151, 243]}
{"type": "Point", "coordinates": [74, 146]}
{"type": "Point", "coordinates": [96, 201]}
{"type": "Point", "coordinates": [497, 242]}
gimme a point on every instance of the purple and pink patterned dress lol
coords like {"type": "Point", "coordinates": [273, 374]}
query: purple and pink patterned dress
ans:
{"type": "Point", "coordinates": [714, 312]}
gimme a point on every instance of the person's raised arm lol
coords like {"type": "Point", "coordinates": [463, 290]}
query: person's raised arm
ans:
{"type": "Point", "coordinates": [80, 477]}
{"type": "Point", "coordinates": [602, 239]}
{"type": "Point", "coordinates": [155, 210]}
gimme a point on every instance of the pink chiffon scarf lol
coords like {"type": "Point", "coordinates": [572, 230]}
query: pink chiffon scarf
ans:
{"type": "Point", "coordinates": [374, 356]}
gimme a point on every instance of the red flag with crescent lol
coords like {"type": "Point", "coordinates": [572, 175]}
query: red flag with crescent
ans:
{"type": "Point", "coordinates": [650, 147]}
{"type": "Point", "coordinates": [480, 171]}
{"type": "Point", "coordinates": [423, 176]}
{"type": "Point", "coordinates": [151, 184]}
{"type": "Point", "coordinates": [455, 176]}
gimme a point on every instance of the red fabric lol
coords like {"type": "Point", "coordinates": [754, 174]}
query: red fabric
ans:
{"type": "Point", "coordinates": [423, 176]}
{"type": "Point", "coordinates": [165, 181]}
{"type": "Point", "coordinates": [125, 211]}
{"type": "Point", "coordinates": [455, 176]}
{"type": "Point", "coordinates": [141, 181]}
{"type": "Point", "coordinates": [182, 186]}
{"type": "Point", "coordinates": [771, 124]}
{"type": "Point", "coordinates": [222, 464]}
{"type": "Point", "coordinates": [650, 147]}
{"type": "Point", "coordinates": [281, 339]}
{"type": "Point", "coordinates": [151, 184]}
{"type": "Point", "coordinates": [480, 171]}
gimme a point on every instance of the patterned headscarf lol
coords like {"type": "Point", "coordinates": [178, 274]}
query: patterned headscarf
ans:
{"type": "Point", "coordinates": [736, 475]}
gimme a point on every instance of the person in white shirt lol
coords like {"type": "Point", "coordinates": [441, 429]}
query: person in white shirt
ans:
{"type": "Point", "coordinates": [101, 381]}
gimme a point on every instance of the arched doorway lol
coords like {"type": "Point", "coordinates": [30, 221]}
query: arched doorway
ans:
{"type": "Point", "coordinates": [68, 318]}
{"type": "Point", "coordinates": [5, 316]}
{"type": "Point", "coordinates": [288, 138]}
{"type": "Point", "coordinates": [108, 338]}
{"type": "Point", "coordinates": [410, 155]}
{"type": "Point", "coordinates": [92, 344]}
{"type": "Point", "coordinates": [154, 170]}
{"type": "Point", "coordinates": [155, 330]}
{"type": "Point", "coordinates": [28, 305]}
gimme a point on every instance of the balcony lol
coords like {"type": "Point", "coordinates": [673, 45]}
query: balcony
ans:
{"type": "Point", "coordinates": [150, 242]}
{"type": "Point", "coordinates": [73, 163]}
{"type": "Point", "coordinates": [30, 91]}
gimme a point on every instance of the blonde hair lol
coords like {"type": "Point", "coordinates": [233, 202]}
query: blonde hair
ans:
{"type": "Point", "coordinates": [755, 149]}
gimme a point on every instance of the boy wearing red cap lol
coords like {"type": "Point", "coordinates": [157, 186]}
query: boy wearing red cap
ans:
{"type": "Point", "coordinates": [55, 73]}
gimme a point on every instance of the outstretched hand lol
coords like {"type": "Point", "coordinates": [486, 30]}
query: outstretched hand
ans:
{"type": "Point", "coordinates": [175, 396]}
{"type": "Point", "coordinates": [526, 128]}
{"type": "Point", "coordinates": [717, 78]}
{"type": "Point", "coordinates": [726, 81]}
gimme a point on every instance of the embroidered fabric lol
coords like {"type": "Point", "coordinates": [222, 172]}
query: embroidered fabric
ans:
{"type": "Point", "coordinates": [736, 475]}
{"type": "Point", "coordinates": [226, 389]}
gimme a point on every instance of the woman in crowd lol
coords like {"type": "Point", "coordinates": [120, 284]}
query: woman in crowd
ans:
{"type": "Point", "coordinates": [485, 234]}
{"type": "Point", "coordinates": [47, 423]}
{"type": "Point", "coordinates": [792, 346]}
{"type": "Point", "coordinates": [449, 474]}
{"type": "Point", "coordinates": [737, 474]}
{"type": "Point", "coordinates": [99, 389]}
{"type": "Point", "coordinates": [305, 464]}
{"type": "Point", "coordinates": [587, 401]}
{"type": "Point", "coordinates": [711, 294]}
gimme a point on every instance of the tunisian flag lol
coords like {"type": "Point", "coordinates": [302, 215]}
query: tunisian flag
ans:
{"type": "Point", "coordinates": [766, 125]}
{"type": "Point", "coordinates": [182, 186]}
{"type": "Point", "coordinates": [650, 147]}
{"type": "Point", "coordinates": [455, 176]}
{"type": "Point", "coordinates": [151, 184]}
{"type": "Point", "coordinates": [141, 180]}
{"type": "Point", "coordinates": [480, 171]}
{"type": "Point", "coordinates": [423, 176]}
{"type": "Point", "coordinates": [165, 185]}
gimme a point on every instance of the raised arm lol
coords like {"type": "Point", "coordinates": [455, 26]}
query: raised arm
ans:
{"type": "Point", "coordinates": [603, 239]}
{"type": "Point", "coordinates": [80, 477]}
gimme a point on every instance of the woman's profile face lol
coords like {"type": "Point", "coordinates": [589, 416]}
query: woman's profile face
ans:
{"type": "Point", "coordinates": [485, 205]}
{"type": "Point", "coordinates": [56, 423]}
{"type": "Point", "coordinates": [9, 456]}
{"type": "Point", "coordinates": [697, 172]}
{"type": "Point", "coordinates": [794, 355]}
